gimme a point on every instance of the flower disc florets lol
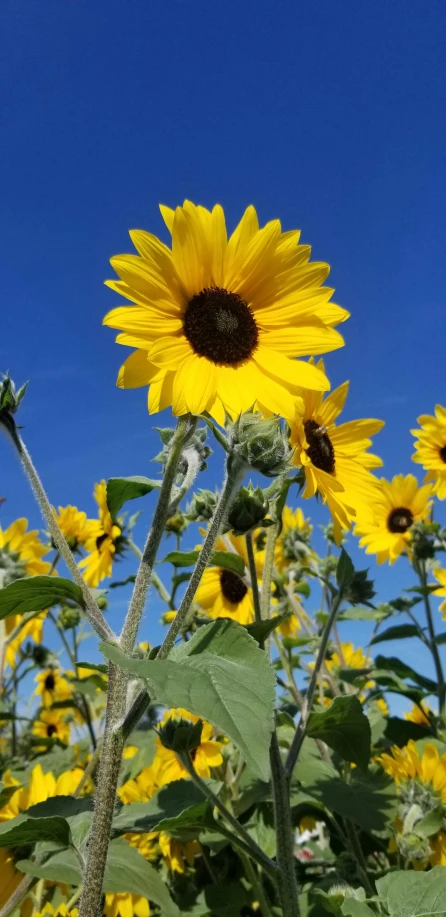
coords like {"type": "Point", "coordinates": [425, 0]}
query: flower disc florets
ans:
{"type": "Point", "coordinates": [219, 325]}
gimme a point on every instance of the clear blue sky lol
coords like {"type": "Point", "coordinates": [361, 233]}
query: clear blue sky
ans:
{"type": "Point", "coordinates": [329, 115]}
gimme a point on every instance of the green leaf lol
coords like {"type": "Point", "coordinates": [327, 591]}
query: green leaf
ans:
{"type": "Point", "coordinates": [181, 558]}
{"type": "Point", "coordinates": [260, 630]}
{"type": "Point", "coordinates": [353, 908]}
{"type": "Point", "coordinates": [124, 582]}
{"type": "Point", "coordinates": [225, 559]}
{"type": "Point", "coordinates": [6, 792]}
{"type": "Point", "coordinates": [399, 732]}
{"type": "Point", "coordinates": [398, 632]}
{"type": "Point", "coordinates": [226, 901]}
{"type": "Point", "coordinates": [119, 490]}
{"type": "Point", "coordinates": [60, 867]}
{"type": "Point", "coordinates": [351, 676]}
{"type": "Point", "coordinates": [345, 570]}
{"type": "Point", "coordinates": [177, 805]}
{"type": "Point", "coordinates": [222, 676]}
{"type": "Point", "coordinates": [22, 831]}
{"type": "Point", "coordinates": [36, 593]}
{"type": "Point", "coordinates": [393, 664]}
{"type": "Point", "coordinates": [414, 894]}
{"type": "Point", "coordinates": [440, 639]}
{"type": "Point", "coordinates": [345, 728]}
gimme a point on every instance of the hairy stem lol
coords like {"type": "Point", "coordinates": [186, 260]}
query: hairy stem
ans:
{"type": "Point", "coordinates": [253, 576]}
{"type": "Point", "coordinates": [286, 877]}
{"type": "Point", "coordinates": [144, 574]}
{"type": "Point", "coordinates": [91, 609]}
{"type": "Point", "coordinates": [271, 536]}
{"type": "Point", "coordinates": [309, 697]}
{"type": "Point", "coordinates": [441, 687]}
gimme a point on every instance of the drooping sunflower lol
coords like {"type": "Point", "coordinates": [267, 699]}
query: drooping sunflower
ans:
{"type": "Point", "coordinates": [217, 322]}
{"type": "Point", "coordinates": [430, 449]}
{"type": "Point", "coordinates": [398, 504]}
{"type": "Point", "coordinates": [440, 576]}
{"type": "Point", "coordinates": [335, 459]}
{"type": "Point", "coordinates": [104, 539]}
{"type": "Point", "coordinates": [167, 765]}
{"type": "Point", "coordinates": [52, 686]}
{"type": "Point", "coordinates": [74, 525]}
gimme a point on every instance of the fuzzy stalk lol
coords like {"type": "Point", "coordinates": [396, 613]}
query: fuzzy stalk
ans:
{"type": "Point", "coordinates": [271, 536]}
{"type": "Point", "coordinates": [286, 877]}
{"type": "Point", "coordinates": [91, 609]}
{"type": "Point", "coordinates": [253, 576]}
{"type": "Point", "coordinates": [441, 687]}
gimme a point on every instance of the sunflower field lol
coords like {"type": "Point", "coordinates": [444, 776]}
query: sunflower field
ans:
{"type": "Point", "coordinates": [252, 762]}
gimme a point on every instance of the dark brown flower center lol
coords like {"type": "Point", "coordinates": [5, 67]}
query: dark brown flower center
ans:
{"type": "Point", "coordinates": [100, 540]}
{"type": "Point", "coordinates": [50, 730]}
{"type": "Point", "coordinates": [50, 682]}
{"type": "Point", "coordinates": [320, 449]}
{"type": "Point", "coordinates": [442, 452]}
{"type": "Point", "coordinates": [399, 520]}
{"type": "Point", "coordinates": [220, 326]}
{"type": "Point", "coordinates": [232, 587]}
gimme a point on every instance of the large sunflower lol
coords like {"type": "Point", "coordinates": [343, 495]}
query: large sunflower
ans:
{"type": "Point", "coordinates": [217, 321]}
{"type": "Point", "coordinates": [430, 449]}
{"type": "Point", "coordinates": [398, 504]}
{"type": "Point", "coordinates": [335, 458]}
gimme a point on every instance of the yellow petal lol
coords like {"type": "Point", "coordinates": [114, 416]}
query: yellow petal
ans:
{"type": "Point", "coordinates": [136, 371]}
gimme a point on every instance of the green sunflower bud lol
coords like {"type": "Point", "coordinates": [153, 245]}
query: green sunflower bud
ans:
{"type": "Point", "coordinates": [10, 398]}
{"type": "Point", "coordinates": [68, 617]}
{"type": "Point", "coordinates": [360, 590]}
{"type": "Point", "coordinates": [180, 735]}
{"type": "Point", "coordinates": [413, 847]}
{"type": "Point", "coordinates": [423, 539]}
{"type": "Point", "coordinates": [177, 523]}
{"type": "Point", "coordinates": [202, 506]}
{"type": "Point", "coordinates": [248, 509]}
{"type": "Point", "coordinates": [260, 443]}
{"type": "Point", "coordinates": [40, 654]}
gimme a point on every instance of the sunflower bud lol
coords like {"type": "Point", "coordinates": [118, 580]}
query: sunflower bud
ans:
{"type": "Point", "coordinates": [413, 847]}
{"type": "Point", "coordinates": [40, 654]}
{"type": "Point", "coordinates": [68, 617]}
{"type": "Point", "coordinates": [176, 524]}
{"type": "Point", "coordinates": [360, 590]}
{"type": "Point", "coordinates": [423, 539]}
{"type": "Point", "coordinates": [202, 506]}
{"type": "Point", "coordinates": [180, 735]}
{"type": "Point", "coordinates": [9, 398]}
{"type": "Point", "coordinates": [260, 443]}
{"type": "Point", "coordinates": [248, 509]}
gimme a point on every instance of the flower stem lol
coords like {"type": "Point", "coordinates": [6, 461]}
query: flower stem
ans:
{"type": "Point", "coordinates": [144, 574]}
{"type": "Point", "coordinates": [441, 687]}
{"type": "Point", "coordinates": [253, 575]}
{"type": "Point", "coordinates": [271, 536]}
{"type": "Point", "coordinates": [286, 876]}
{"type": "Point", "coordinates": [309, 697]}
{"type": "Point", "coordinates": [233, 479]}
{"type": "Point", "coordinates": [92, 611]}
{"type": "Point", "coordinates": [256, 885]}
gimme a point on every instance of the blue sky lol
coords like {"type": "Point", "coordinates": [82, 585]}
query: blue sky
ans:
{"type": "Point", "coordinates": [328, 115]}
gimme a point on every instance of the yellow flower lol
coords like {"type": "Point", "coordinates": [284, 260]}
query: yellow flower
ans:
{"type": "Point", "coordinates": [223, 594]}
{"type": "Point", "coordinates": [417, 715]}
{"type": "Point", "coordinates": [430, 449]}
{"type": "Point", "coordinates": [348, 658]}
{"type": "Point", "coordinates": [406, 764]}
{"type": "Point", "coordinates": [74, 525]}
{"type": "Point", "coordinates": [440, 576]}
{"type": "Point", "coordinates": [207, 755]}
{"type": "Point", "coordinates": [293, 540]}
{"type": "Point", "coordinates": [49, 910]}
{"type": "Point", "coordinates": [31, 630]}
{"type": "Point", "coordinates": [52, 686]}
{"type": "Point", "coordinates": [168, 617]}
{"type": "Point", "coordinates": [177, 854]}
{"type": "Point", "coordinates": [217, 322]}
{"type": "Point", "coordinates": [334, 458]}
{"type": "Point", "coordinates": [51, 725]}
{"type": "Point", "coordinates": [11, 878]}
{"type": "Point", "coordinates": [101, 542]}
{"type": "Point", "coordinates": [123, 904]}
{"type": "Point", "coordinates": [25, 548]}
{"type": "Point", "coordinates": [290, 627]}
{"type": "Point", "coordinates": [40, 787]}
{"type": "Point", "coordinates": [398, 504]}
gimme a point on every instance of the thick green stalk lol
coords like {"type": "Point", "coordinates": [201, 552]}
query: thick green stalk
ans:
{"type": "Point", "coordinates": [233, 479]}
{"type": "Point", "coordinates": [253, 576]}
{"type": "Point", "coordinates": [441, 687]}
{"type": "Point", "coordinates": [286, 877]}
{"type": "Point", "coordinates": [271, 536]}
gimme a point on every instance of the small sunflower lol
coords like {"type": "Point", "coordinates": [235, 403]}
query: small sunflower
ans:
{"type": "Point", "coordinates": [293, 541]}
{"type": "Point", "coordinates": [74, 525]}
{"type": "Point", "coordinates": [217, 321]}
{"type": "Point", "coordinates": [124, 904]}
{"type": "Point", "coordinates": [419, 713]}
{"type": "Point", "coordinates": [167, 765]}
{"type": "Point", "coordinates": [11, 878]}
{"type": "Point", "coordinates": [335, 459]}
{"type": "Point", "coordinates": [52, 686]}
{"type": "Point", "coordinates": [348, 657]}
{"type": "Point", "coordinates": [51, 725]}
{"type": "Point", "coordinates": [40, 787]}
{"type": "Point", "coordinates": [104, 540]}
{"type": "Point", "coordinates": [61, 910]}
{"type": "Point", "coordinates": [440, 576]}
{"type": "Point", "coordinates": [21, 552]}
{"type": "Point", "coordinates": [176, 854]}
{"type": "Point", "coordinates": [224, 594]}
{"type": "Point", "coordinates": [430, 449]}
{"type": "Point", "coordinates": [398, 505]}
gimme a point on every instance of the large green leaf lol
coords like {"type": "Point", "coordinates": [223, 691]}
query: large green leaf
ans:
{"type": "Point", "coordinates": [119, 490]}
{"type": "Point", "coordinates": [36, 593]}
{"type": "Point", "coordinates": [221, 675]}
{"type": "Point", "coordinates": [345, 728]}
{"type": "Point", "coordinates": [398, 632]}
{"type": "Point", "coordinates": [414, 894]}
{"type": "Point", "coordinates": [49, 820]}
{"type": "Point", "coordinates": [228, 560]}
{"type": "Point", "coordinates": [399, 732]}
{"type": "Point", "coordinates": [393, 664]}
{"type": "Point", "coordinates": [353, 908]}
{"type": "Point", "coordinates": [63, 867]}
{"type": "Point", "coordinates": [177, 805]}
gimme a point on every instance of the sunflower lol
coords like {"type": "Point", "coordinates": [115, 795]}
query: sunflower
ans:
{"type": "Point", "coordinates": [292, 543]}
{"type": "Point", "coordinates": [124, 904]}
{"type": "Point", "coordinates": [11, 878]}
{"type": "Point", "coordinates": [348, 657]}
{"type": "Point", "coordinates": [52, 686]}
{"type": "Point", "coordinates": [398, 505]}
{"type": "Point", "coordinates": [217, 321]}
{"type": "Point", "coordinates": [21, 552]}
{"type": "Point", "coordinates": [167, 765]}
{"type": "Point", "coordinates": [74, 525]}
{"type": "Point", "coordinates": [334, 458]}
{"type": "Point", "coordinates": [440, 576]}
{"type": "Point", "coordinates": [61, 910]}
{"type": "Point", "coordinates": [39, 788]}
{"type": "Point", "coordinates": [51, 725]}
{"type": "Point", "coordinates": [223, 593]}
{"type": "Point", "coordinates": [104, 539]}
{"type": "Point", "coordinates": [430, 449]}
{"type": "Point", "coordinates": [176, 854]}
{"type": "Point", "coordinates": [419, 714]}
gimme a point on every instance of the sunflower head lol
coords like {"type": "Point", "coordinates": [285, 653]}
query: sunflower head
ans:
{"type": "Point", "coordinates": [430, 449]}
{"type": "Point", "coordinates": [21, 552]}
{"type": "Point", "coordinates": [51, 724]}
{"type": "Point", "coordinates": [74, 525]}
{"type": "Point", "coordinates": [218, 321]}
{"type": "Point", "coordinates": [398, 505]}
{"type": "Point", "coordinates": [105, 540]}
